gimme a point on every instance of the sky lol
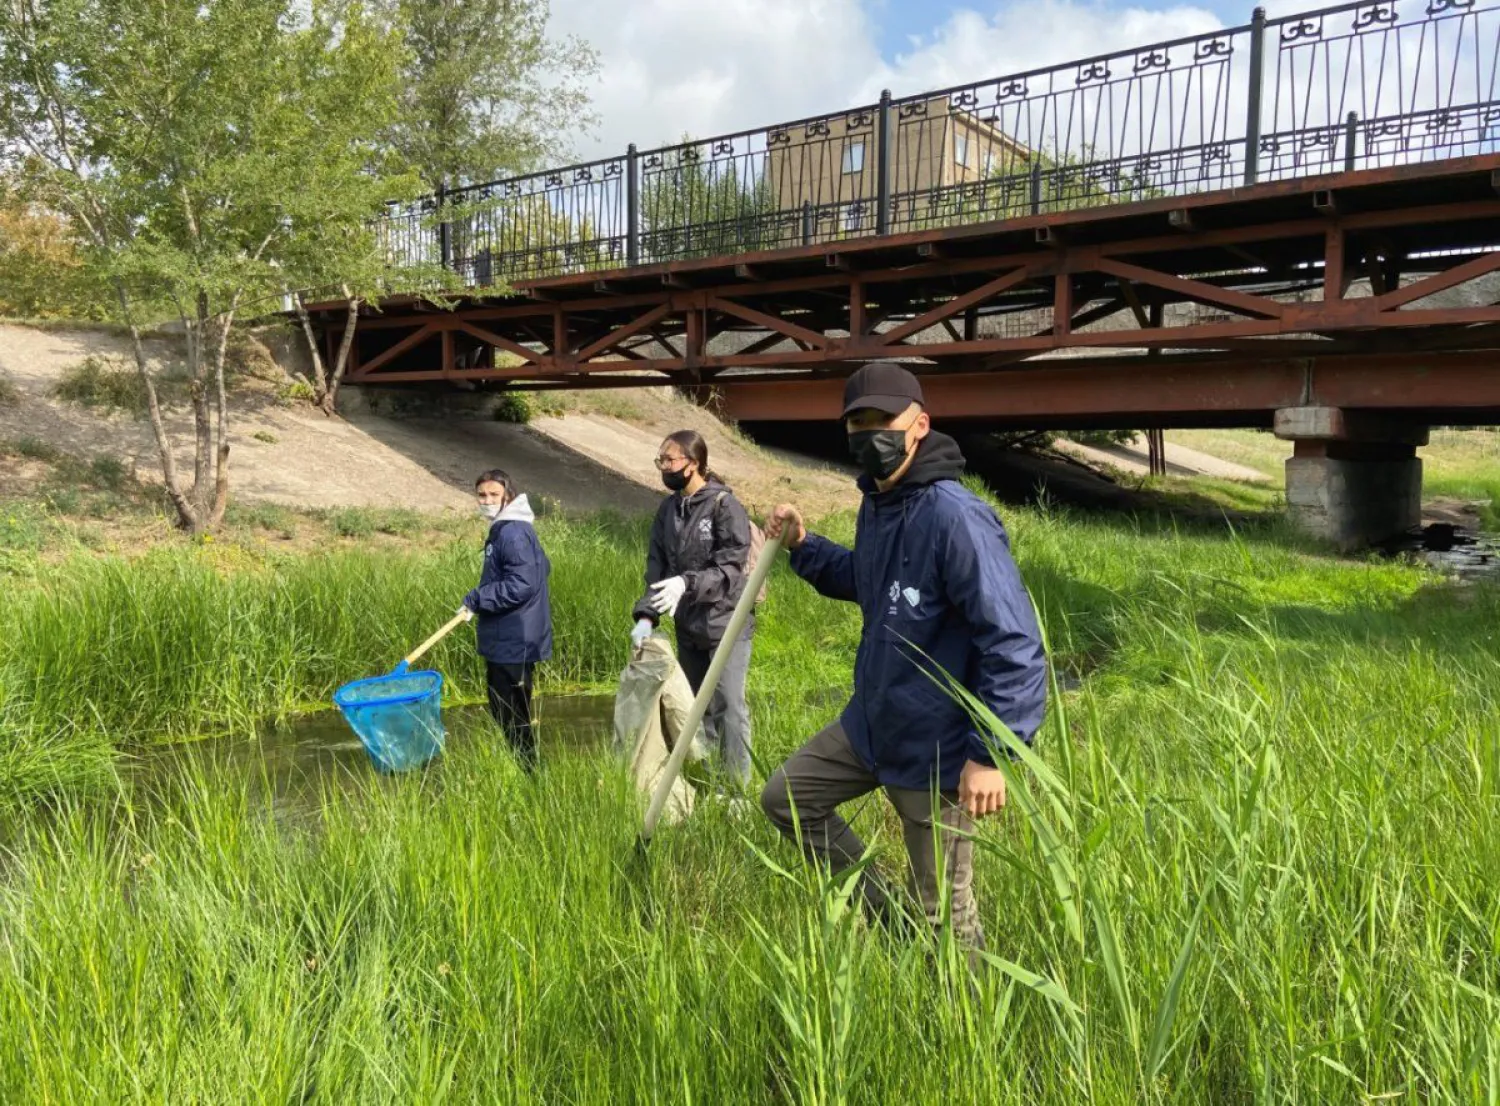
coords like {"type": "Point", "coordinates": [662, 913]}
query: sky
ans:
{"type": "Point", "coordinates": [670, 68]}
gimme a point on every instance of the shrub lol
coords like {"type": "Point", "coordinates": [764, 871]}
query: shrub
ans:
{"type": "Point", "coordinates": [515, 407]}
{"type": "Point", "coordinates": [108, 472]}
{"type": "Point", "coordinates": [114, 384]}
{"type": "Point", "coordinates": [298, 391]}
{"type": "Point", "coordinates": [34, 449]}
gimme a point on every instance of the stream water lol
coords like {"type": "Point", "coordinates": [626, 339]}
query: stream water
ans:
{"type": "Point", "coordinates": [1463, 553]}
{"type": "Point", "coordinates": [294, 765]}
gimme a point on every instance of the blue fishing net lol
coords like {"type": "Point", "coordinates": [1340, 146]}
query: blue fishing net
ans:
{"type": "Point", "coordinates": [398, 717]}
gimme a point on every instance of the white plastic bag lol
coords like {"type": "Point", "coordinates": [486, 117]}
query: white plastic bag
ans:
{"type": "Point", "coordinates": [651, 708]}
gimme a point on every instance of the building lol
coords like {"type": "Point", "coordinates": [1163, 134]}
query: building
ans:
{"type": "Point", "coordinates": [825, 171]}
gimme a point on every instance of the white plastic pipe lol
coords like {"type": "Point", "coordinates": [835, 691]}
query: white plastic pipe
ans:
{"type": "Point", "coordinates": [737, 620]}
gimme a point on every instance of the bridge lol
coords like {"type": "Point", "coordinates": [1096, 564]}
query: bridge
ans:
{"type": "Point", "coordinates": [1293, 223]}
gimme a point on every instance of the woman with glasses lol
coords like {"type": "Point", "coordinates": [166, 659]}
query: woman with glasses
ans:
{"type": "Point", "coordinates": [695, 572]}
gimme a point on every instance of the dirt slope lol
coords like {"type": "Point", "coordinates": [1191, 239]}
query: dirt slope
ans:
{"type": "Point", "coordinates": [584, 458]}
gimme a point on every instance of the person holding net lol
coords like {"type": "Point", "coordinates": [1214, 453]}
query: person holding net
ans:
{"type": "Point", "coordinates": [512, 609]}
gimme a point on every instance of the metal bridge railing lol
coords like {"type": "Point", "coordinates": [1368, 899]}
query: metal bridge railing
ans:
{"type": "Point", "coordinates": [1360, 85]}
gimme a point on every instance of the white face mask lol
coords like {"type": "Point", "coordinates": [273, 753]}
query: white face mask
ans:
{"type": "Point", "coordinates": [491, 511]}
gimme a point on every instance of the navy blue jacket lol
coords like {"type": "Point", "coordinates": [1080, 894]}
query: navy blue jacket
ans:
{"type": "Point", "coordinates": [513, 609]}
{"type": "Point", "coordinates": [932, 572]}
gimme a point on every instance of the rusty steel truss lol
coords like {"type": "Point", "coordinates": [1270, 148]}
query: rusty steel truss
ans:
{"type": "Point", "coordinates": [1378, 266]}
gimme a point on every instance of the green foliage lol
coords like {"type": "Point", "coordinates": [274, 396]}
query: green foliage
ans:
{"type": "Point", "coordinates": [1251, 858]}
{"type": "Point", "coordinates": [365, 522]}
{"type": "Point", "coordinates": [486, 92]}
{"type": "Point", "coordinates": [296, 391]}
{"type": "Point", "coordinates": [515, 407]}
{"type": "Point", "coordinates": [108, 472]}
{"type": "Point", "coordinates": [10, 395]}
{"type": "Point", "coordinates": [43, 274]}
{"type": "Point", "coordinates": [696, 208]}
{"type": "Point", "coordinates": [203, 140]}
{"type": "Point", "coordinates": [206, 155]}
{"type": "Point", "coordinates": [32, 449]}
{"type": "Point", "coordinates": [272, 517]}
{"type": "Point", "coordinates": [533, 236]}
{"type": "Point", "coordinates": [113, 384]}
{"type": "Point", "coordinates": [1069, 181]}
{"type": "Point", "coordinates": [265, 436]}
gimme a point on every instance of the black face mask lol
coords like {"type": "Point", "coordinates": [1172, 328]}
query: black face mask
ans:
{"type": "Point", "coordinates": [675, 481]}
{"type": "Point", "coordinates": [878, 452]}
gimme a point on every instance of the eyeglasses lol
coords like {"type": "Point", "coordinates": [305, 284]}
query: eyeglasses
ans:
{"type": "Point", "coordinates": [665, 463]}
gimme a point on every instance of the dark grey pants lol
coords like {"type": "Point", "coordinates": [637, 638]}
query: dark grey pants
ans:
{"type": "Point", "coordinates": [727, 721]}
{"type": "Point", "coordinates": [824, 773]}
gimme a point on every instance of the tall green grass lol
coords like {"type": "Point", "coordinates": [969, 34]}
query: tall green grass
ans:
{"type": "Point", "coordinates": [1254, 879]}
{"type": "Point", "coordinates": [183, 639]}
{"type": "Point", "coordinates": [1252, 859]}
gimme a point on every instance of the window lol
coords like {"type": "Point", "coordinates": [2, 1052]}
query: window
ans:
{"type": "Point", "coordinates": [989, 163]}
{"type": "Point", "coordinates": [854, 157]}
{"type": "Point", "coordinates": [961, 150]}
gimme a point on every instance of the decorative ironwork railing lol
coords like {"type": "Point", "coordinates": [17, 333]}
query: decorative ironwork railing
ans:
{"type": "Point", "coordinates": [1375, 83]}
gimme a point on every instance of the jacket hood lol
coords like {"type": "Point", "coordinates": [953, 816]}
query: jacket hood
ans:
{"type": "Point", "coordinates": [710, 488]}
{"type": "Point", "coordinates": [517, 510]}
{"type": "Point", "coordinates": [938, 458]}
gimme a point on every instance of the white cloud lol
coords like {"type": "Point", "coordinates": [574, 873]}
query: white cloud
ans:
{"type": "Point", "coordinates": [706, 67]}
{"type": "Point", "coordinates": [1014, 38]}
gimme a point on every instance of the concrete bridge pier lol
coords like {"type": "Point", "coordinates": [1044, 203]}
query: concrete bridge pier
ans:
{"type": "Point", "coordinates": [1354, 477]}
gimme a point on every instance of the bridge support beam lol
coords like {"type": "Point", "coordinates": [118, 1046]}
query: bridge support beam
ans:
{"type": "Point", "coordinates": [1354, 477]}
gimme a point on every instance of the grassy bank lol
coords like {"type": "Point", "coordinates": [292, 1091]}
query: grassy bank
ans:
{"type": "Point", "coordinates": [1255, 861]}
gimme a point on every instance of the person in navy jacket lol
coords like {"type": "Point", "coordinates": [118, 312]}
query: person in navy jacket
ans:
{"type": "Point", "coordinates": [512, 608]}
{"type": "Point", "coordinates": [932, 573]}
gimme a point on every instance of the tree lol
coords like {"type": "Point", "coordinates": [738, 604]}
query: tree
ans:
{"type": "Point", "coordinates": [503, 238]}
{"type": "Point", "coordinates": [486, 92]}
{"type": "Point", "coordinates": [42, 270]}
{"type": "Point", "coordinates": [692, 207]}
{"type": "Point", "coordinates": [207, 154]}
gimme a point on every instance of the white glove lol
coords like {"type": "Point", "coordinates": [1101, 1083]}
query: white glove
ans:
{"type": "Point", "coordinates": [639, 633]}
{"type": "Point", "coordinates": [666, 594]}
{"type": "Point", "coordinates": [464, 613]}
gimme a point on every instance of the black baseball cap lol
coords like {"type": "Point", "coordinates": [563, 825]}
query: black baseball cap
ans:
{"type": "Point", "coordinates": [883, 385]}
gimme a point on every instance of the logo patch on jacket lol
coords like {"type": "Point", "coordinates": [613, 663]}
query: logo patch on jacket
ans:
{"type": "Point", "coordinates": [912, 596]}
{"type": "Point", "coordinates": [706, 529]}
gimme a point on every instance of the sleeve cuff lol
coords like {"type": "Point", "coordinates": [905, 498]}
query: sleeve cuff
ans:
{"type": "Point", "coordinates": [798, 557]}
{"type": "Point", "coordinates": [979, 750]}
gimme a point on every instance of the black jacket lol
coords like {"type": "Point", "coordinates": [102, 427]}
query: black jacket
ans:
{"type": "Point", "coordinates": [705, 539]}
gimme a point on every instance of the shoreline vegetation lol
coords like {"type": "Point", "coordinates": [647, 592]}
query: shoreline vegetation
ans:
{"type": "Point", "coordinates": [1252, 860]}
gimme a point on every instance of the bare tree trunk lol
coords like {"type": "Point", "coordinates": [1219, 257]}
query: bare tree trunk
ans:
{"type": "Point", "coordinates": [320, 375]}
{"type": "Point", "coordinates": [221, 410]}
{"type": "Point", "coordinates": [202, 424]}
{"type": "Point", "coordinates": [331, 393]}
{"type": "Point", "coordinates": [186, 517]}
